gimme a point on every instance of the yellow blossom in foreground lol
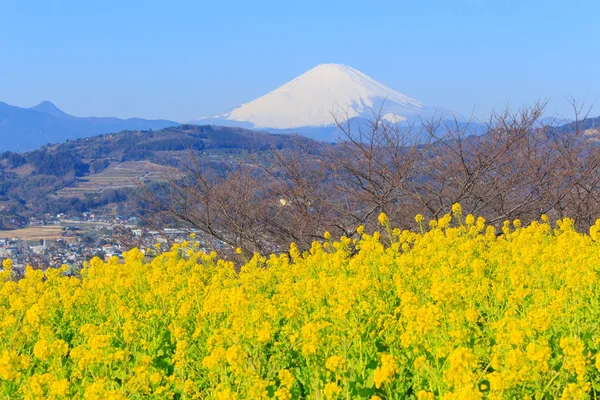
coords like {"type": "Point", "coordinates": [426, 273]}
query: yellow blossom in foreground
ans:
{"type": "Point", "coordinates": [386, 371]}
{"type": "Point", "coordinates": [7, 264]}
{"type": "Point", "coordinates": [335, 363]}
{"type": "Point", "coordinates": [332, 390]}
{"type": "Point", "coordinates": [453, 312]}
{"type": "Point", "coordinates": [456, 209]}
{"type": "Point", "coordinates": [286, 378]}
{"type": "Point", "coordinates": [425, 395]}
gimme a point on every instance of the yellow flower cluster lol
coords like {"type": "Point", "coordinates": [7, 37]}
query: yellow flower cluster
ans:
{"type": "Point", "coordinates": [455, 312]}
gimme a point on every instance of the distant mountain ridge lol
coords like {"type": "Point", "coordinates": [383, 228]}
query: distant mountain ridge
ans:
{"type": "Point", "coordinates": [23, 129]}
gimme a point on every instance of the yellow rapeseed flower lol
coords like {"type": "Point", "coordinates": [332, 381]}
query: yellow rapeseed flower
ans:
{"type": "Point", "coordinates": [7, 264]}
{"type": "Point", "coordinates": [383, 219]}
{"type": "Point", "coordinates": [456, 209]}
{"type": "Point", "coordinates": [332, 390]}
{"type": "Point", "coordinates": [386, 370]}
{"type": "Point", "coordinates": [334, 363]}
{"type": "Point", "coordinates": [450, 312]}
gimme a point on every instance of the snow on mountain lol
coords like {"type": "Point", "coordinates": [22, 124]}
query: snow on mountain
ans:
{"type": "Point", "coordinates": [314, 98]}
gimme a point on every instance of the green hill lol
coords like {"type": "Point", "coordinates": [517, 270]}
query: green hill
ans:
{"type": "Point", "coordinates": [88, 173]}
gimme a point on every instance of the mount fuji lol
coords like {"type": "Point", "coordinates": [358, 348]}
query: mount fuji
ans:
{"type": "Point", "coordinates": [310, 104]}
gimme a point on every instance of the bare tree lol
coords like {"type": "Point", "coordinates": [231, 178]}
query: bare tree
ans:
{"type": "Point", "coordinates": [509, 166]}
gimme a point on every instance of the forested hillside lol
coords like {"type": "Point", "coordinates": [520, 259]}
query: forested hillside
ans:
{"type": "Point", "coordinates": [34, 182]}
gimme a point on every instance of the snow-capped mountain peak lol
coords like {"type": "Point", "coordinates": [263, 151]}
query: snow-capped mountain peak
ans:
{"type": "Point", "coordinates": [314, 98]}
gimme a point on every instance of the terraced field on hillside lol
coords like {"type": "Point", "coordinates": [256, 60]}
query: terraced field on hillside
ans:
{"type": "Point", "coordinates": [116, 176]}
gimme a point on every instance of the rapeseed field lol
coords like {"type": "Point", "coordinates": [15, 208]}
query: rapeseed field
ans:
{"type": "Point", "coordinates": [456, 310]}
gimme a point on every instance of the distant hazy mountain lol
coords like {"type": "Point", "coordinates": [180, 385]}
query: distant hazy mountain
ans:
{"type": "Point", "coordinates": [590, 127]}
{"type": "Point", "coordinates": [308, 104]}
{"type": "Point", "coordinates": [553, 121]}
{"type": "Point", "coordinates": [23, 129]}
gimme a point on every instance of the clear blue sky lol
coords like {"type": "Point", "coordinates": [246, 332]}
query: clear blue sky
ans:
{"type": "Point", "coordinates": [185, 59]}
